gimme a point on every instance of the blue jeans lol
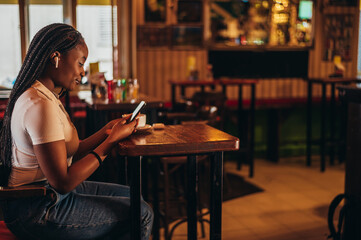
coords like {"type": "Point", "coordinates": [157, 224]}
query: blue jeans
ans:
{"type": "Point", "coordinates": [93, 210]}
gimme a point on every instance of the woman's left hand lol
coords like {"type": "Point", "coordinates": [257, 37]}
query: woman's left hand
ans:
{"type": "Point", "coordinates": [108, 127]}
{"type": "Point", "coordinates": [124, 120]}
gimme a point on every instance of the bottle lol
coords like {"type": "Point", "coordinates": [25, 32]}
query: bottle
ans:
{"type": "Point", "coordinates": [135, 89]}
{"type": "Point", "coordinates": [102, 94]}
{"type": "Point", "coordinates": [118, 91]}
{"type": "Point", "coordinates": [130, 89]}
{"type": "Point", "coordinates": [110, 89]}
{"type": "Point", "coordinates": [124, 87]}
{"type": "Point", "coordinates": [209, 73]}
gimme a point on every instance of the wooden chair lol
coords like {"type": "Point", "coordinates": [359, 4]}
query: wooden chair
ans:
{"type": "Point", "coordinates": [7, 193]}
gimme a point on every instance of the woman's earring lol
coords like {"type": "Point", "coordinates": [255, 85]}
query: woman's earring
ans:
{"type": "Point", "coordinates": [57, 62]}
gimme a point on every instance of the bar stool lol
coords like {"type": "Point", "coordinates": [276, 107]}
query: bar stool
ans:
{"type": "Point", "coordinates": [170, 166]}
{"type": "Point", "coordinates": [15, 193]}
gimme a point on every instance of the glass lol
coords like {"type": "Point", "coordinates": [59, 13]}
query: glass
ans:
{"type": "Point", "coordinates": [41, 14]}
{"type": "Point", "coordinates": [95, 24]}
{"type": "Point", "coordinates": [10, 47]}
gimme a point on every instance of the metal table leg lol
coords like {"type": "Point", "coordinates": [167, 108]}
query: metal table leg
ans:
{"type": "Point", "coordinates": [323, 128]}
{"type": "Point", "coordinates": [135, 197]}
{"type": "Point", "coordinates": [155, 174]}
{"type": "Point", "coordinates": [192, 197]}
{"type": "Point", "coordinates": [216, 196]}
{"type": "Point", "coordinates": [332, 124]}
{"type": "Point", "coordinates": [309, 124]}
{"type": "Point", "coordinates": [251, 134]}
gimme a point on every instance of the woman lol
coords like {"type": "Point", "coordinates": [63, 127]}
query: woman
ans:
{"type": "Point", "coordinates": [39, 144]}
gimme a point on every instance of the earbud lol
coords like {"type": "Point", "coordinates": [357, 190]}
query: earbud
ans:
{"type": "Point", "coordinates": [56, 62]}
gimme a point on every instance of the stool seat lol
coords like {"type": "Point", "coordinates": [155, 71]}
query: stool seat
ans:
{"type": "Point", "coordinates": [5, 233]}
{"type": "Point", "coordinates": [14, 193]}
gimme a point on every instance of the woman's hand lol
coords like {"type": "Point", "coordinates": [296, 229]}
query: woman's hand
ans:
{"type": "Point", "coordinates": [121, 128]}
{"type": "Point", "coordinates": [110, 124]}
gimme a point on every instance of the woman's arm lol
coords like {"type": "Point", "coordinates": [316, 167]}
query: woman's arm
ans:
{"type": "Point", "coordinates": [52, 158]}
{"type": "Point", "coordinates": [88, 144]}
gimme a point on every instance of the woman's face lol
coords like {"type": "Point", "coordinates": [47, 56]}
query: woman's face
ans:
{"type": "Point", "coordinates": [71, 67]}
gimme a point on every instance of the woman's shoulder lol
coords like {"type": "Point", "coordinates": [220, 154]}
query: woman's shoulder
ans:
{"type": "Point", "coordinates": [32, 99]}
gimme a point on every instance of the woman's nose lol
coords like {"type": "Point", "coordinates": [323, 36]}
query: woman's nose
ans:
{"type": "Point", "coordinates": [82, 74]}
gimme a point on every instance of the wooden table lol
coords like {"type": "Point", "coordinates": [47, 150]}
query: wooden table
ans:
{"type": "Point", "coordinates": [324, 82]}
{"type": "Point", "coordinates": [98, 110]}
{"type": "Point", "coordinates": [246, 135]}
{"type": "Point", "coordinates": [187, 140]}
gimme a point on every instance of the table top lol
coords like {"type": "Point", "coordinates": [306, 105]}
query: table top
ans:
{"type": "Point", "coordinates": [222, 81]}
{"type": "Point", "coordinates": [178, 140]}
{"type": "Point", "coordinates": [105, 104]}
{"type": "Point", "coordinates": [334, 80]}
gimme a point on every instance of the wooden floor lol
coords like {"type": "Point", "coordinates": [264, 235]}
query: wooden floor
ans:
{"type": "Point", "coordinates": [293, 205]}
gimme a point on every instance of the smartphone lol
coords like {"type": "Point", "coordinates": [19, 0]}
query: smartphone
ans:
{"type": "Point", "coordinates": [137, 110]}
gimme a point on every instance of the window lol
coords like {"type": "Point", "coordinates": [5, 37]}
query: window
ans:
{"type": "Point", "coordinates": [95, 24]}
{"type": "Point", "coordinates": [42, 13]}
{"type": "Point", "coordinates": [10, 50]}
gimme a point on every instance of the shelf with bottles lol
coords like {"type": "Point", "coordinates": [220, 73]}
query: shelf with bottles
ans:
{"type": "Point", "coordinates": [261, 23]}
{"type": "Point", "coordinates": [178, 24]}
{"type": "Point", "coordinates": [338, 30]}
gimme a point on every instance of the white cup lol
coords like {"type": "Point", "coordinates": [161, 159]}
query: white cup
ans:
{"type": "Point", "coordinates": [142, 120]}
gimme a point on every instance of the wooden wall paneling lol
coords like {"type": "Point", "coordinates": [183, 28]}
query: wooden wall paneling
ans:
{"type": "Point", "coordinates": [265, 88]}
{"type": "Point", "coordinates": [294, 88]}
{"type": "Point", "coordinates": [303, 84]}
{"type": "Point", "coordinates": [167, 56]}
{"type": "Point", "coordinates": [261, 88]}
{"type": "Point", "coordinates": [174, 70]}
{"type": "Point", "coordinates": [148, 72]}
{"type": "Point", "coordinates": [246, 93]}
{"type": "Point", "coordinates": [320, 68]}
{"type": "Point", "coordinates": [286, 87]}
{"type": "Point", "coordinates": [141, 71]}
{"type": "Point", "coordinates": [277, 92]}
{"type": "Point", "coordinates": [269, 87]}
{"type": "Point", "coordinates": [297, 88]}
{"type": "Point", "coordinates": [232, 92]}
{"type": "Point", "coordinates": [289, 88]}
{"type": "Point", "coordinates": [140, 12]}
{"type": "Point", "coordinates": [159, 71]}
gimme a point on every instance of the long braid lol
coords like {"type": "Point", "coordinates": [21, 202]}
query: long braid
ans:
{"type": "Point", "coordinates": [54, 37]}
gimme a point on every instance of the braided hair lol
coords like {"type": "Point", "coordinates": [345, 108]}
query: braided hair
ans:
{"type": "Point", "coordinates": [54, 37]}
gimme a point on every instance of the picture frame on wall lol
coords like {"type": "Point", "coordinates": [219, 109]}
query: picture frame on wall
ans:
{"type": "Point", "coordinates": [186, 36]}
{"type": "Point", "coordinates": [189, 11]}
{"type": "Point", "coordinates": [155, 11]}
{"type": "Point", "coordinates": [153, 36]}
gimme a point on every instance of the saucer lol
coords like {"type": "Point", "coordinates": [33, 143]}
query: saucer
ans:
{"type": "Point", "coordinates": [146, 127]}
